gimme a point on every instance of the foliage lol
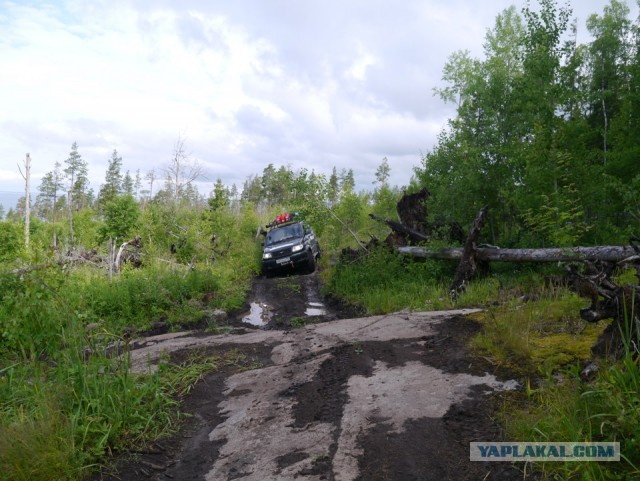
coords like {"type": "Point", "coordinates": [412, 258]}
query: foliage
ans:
{"type": "Point", "coordinates": [30, 318]}
{"type": "Point", "coordinates": [112, 186]}
{"type": "Point", "coordinates": [120, 217]}
{"type": "Point", "coordinates": [543, 128]}
{"type": "Point", "coordinates": [63, 396]}
{"type": "Point", "coordinates": [11, 240]}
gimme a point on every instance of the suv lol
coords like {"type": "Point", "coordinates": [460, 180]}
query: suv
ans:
{"type": "Point", "coordinates": [288, 245]}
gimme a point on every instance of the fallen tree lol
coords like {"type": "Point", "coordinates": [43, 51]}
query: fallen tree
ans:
{"type": "Point", "coordinates": [590, 270]}
{"type": "Point", "coordinates": [496, 254]}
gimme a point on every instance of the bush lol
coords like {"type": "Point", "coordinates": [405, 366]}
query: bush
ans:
{"type": "Point", "coordinates": [11, 241]}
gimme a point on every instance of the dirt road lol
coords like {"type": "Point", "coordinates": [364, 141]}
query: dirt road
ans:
{"type": "Point", "coordinates": [394, 397]}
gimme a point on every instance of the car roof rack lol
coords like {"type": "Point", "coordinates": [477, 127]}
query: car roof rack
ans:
{"type": "Point", "coordinates": [284, 219]}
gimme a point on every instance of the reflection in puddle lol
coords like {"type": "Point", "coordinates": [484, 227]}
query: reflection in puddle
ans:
{"type": "Point", "coordinates": [259, 315]}
{"type": "Point", "coordinates": [315, 309]}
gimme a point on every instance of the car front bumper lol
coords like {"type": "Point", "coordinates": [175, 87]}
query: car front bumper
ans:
{"type": "Point", "coordinates": [291, 261]}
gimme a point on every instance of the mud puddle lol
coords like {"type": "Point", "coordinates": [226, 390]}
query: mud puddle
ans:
{"type": "Point", "coordinates": [259, 314]}
{"type": "Point", "coordinates": [289, 301]}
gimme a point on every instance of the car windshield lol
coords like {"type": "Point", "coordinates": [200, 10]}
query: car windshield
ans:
{"type": "Point", "coordinates": [283, 233]}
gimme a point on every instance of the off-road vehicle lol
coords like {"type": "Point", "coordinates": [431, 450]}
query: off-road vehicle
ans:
{"type": "Point", "coordinates": [289, 244]}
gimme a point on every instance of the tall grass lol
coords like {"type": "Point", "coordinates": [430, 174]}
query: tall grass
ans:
{"type": "Point", "coordinates": [384, 282]}
{"type": "Point", "coordinates": [67, 401]}
{"type": "Point", "coordinates": [60, 417]}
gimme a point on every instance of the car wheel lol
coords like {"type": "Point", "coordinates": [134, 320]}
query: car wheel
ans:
{"type": "Point", "coordinates": [311, 261]}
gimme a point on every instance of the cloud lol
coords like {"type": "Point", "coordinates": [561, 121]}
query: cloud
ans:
{"type": "Point", "coordinates": [247, 82]}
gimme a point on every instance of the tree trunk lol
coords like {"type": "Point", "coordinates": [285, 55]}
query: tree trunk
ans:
{"type": "Point", "coordinates": [411, 234]}
{"type": "Point", "coordinates": [135, 241]}
{"type": "Point", "coordinates": [69, 199]}
{"type": "Point", "coordinates": [27, 200]}
{"type": "Point", "coordinates": [468, 264]}
{"type": "Point", "coordinates": [55, 238]}
{"type": "Point", "coordinates": [601, 253]}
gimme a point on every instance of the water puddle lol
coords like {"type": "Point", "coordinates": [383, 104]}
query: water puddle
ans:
{"type": "Point", "coordinates": [259, 315]}
{"type": "Point", "coordinates": [315, 309]}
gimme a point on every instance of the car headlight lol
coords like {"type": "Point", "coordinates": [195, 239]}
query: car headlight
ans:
{"type": "Point", "coordinates": [267, 255]}
{"type": "Point", "coordinates": [297, 248]}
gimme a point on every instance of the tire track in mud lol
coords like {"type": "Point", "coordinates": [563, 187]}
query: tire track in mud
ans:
{"type": "Point", "coordinates": [290, 301]}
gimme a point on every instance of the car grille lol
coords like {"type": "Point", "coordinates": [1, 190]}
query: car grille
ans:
{"type": "Point", "coordinates": [281, 252]}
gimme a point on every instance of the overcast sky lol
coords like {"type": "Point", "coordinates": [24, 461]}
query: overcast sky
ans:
{"type": "Point", "coordinates": [246, 83]}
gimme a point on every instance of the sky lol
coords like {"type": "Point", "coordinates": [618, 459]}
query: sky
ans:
{"type": "Point", "coordinates": [307, 84]}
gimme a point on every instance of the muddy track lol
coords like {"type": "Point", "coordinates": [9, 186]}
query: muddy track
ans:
{"type": "Point", "coordinates": [290, 301]}
{"type": "Point", "coordinates": [394, 397]}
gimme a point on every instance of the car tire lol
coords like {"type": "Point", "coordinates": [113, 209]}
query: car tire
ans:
{"type": "Point", "coordinates": [311, 262]}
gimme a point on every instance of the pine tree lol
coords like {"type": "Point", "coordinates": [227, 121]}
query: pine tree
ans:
{"type": "Point", "coordinates": [47, 200]}
{"type": "Point", "coordinates": [347, 181]}
{"type": "Point", "coordinates": [137, 185]}
{"type": "Point", "coordinates": [219, 197]}
{"type": "Point", "coordinates": [127, 184]}
{"type": "Point", "coordinates": [382, 173]}
{"type": "Point", "coordinates": [76, 172]}
{"type": "Point", "coordinates": [112, 186]}
{"type": "Point", "coordinates": [333, 187]}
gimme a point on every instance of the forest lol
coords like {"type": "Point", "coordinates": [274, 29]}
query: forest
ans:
{"type": "Point", "coordinates": [546, 134]}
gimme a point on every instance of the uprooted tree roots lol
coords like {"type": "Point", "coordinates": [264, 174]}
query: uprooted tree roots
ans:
{"type": "Point", "coordinates": [611, 301]}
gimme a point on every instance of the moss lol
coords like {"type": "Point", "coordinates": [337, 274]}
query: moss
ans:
{"type": "Point", "coordinates": [542, 334]}
{"type": "Point", "coordinates": [557, 350]}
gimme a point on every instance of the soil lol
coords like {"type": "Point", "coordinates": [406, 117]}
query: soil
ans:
{"type": "Point", "coordinates": [289, 301]}
{"type": "Point", "coordinates": [336, 397]}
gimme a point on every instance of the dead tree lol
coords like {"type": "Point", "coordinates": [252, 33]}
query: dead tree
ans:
{"type": "Point", "coordinates": [409, 234]}
{"type": "Point", "coordinates": [468, 264]}
{"type": "Point", "coordinates": [27, 201]}
{"type": "Point", "coordinates": [414, 226]}
{"type": "Point", "coordinates": [496, 254]}
{"type": "Point", "coordinates": [412, 211]}
{"type": "Point", "coordinates": [135, 242]}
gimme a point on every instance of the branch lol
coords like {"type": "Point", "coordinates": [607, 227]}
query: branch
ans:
{"type": "Point", "coordinates": [401, 229]}
{"type": "Point", "coordinates": [362, 246]}
{"type": "Point", "coordinates": [135, 241]}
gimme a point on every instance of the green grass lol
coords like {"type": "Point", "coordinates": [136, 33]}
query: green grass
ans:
{"type": "Point", "coordinates": [383, 282]}
{"type": "Point", "coordinates": [606, 409]}
{"type": "Point", "coordinates": [57, 421]}
{"type": "Point", "coordinates": [66, 403]}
